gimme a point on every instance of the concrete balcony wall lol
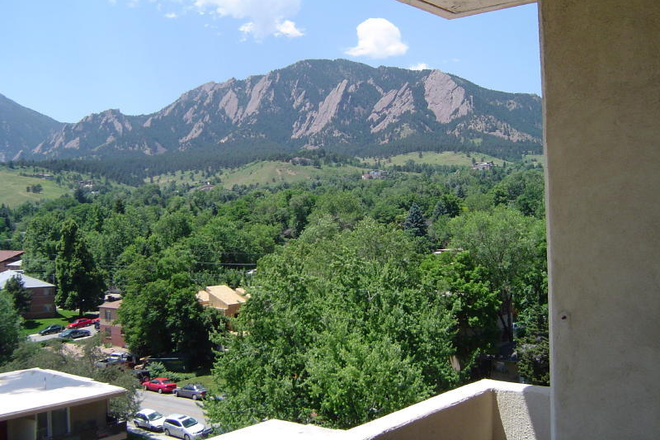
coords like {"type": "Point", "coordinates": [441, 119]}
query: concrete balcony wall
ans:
{"type": "Point", "coordinates": [484, 410]}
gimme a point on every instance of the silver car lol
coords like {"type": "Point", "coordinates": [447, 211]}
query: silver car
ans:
{"type": "Point", "coordinates": [192, 390]}
{"type": "Point", "coordinates": [185, 427]}
{"type": "Point", "coordinates": [149, 419]}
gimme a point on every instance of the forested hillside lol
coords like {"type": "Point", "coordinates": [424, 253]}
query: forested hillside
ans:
{"type": "Point", "coordinates": [351, 313]}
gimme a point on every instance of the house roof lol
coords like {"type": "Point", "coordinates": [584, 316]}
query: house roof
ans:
{"type": "Point", "coordinates": [110, 304]}
{"type": "Point", "coordinates": [32, 391]}
{"type": "Point", "coordinates": [225, 294]}
{"type": "Point", "coordinates": [8, 255]}
{"type": "Point", "coordinates": [203, 296]}
{"type": "Point", "coordinates": [28, 282]}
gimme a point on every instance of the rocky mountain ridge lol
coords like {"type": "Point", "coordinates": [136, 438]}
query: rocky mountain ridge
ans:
{"type": "Point", "coordinates": [312, 104]}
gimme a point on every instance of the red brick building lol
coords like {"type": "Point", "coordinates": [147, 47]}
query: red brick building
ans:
{"type": "Point", "coordinates": [111, 331]}
{"type": "Point", "coordinates": [43, 294]}
{"type": "Point", "coordinates": [7, 257]}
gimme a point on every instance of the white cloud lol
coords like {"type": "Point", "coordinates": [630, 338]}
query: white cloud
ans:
{"type": "Point", "coordinates": [265, 17]}
{"type": "Point", "coordinates": [378, 38]}
{"type": "Point", "coordinates": [288, 29]}
{"type": "Point", "coordinates": [419, 66]}
{"type": "Point", "coordinates": [171, 15]}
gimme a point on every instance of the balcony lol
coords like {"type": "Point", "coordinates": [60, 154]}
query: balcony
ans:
{"type": "Point", "coordinates": [484, 410]}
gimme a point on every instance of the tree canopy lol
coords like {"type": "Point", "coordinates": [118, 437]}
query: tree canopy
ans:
{"type": "Point", "coordinates": [79, 283]}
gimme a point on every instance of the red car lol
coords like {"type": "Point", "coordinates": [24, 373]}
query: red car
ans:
{"type": "Point", "coordinates": [160, 384]}
{"type": "Point", "coordinates": [81, 322]}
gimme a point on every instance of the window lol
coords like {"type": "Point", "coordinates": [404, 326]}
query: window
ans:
{"type": "Point", "coordinates": [59, 421]}
{"type": "Point", "coordinates": [53, 423]}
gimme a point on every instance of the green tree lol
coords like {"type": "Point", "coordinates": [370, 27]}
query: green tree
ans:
{"type": "Point", "coordinates": [337, 333]}
{"type": "Point", "coordinates": [20, 295]}
{"type": "Point", "coordinates": [415, 222]}
{"type": "Point", "coordinates": [448, 205]}
{"type": "Point", "coordinates": [507, 245]}
{"type": "Point", "coordinates": [475, 306]}
{"type": "Point", "coordinates": [10, 327]}
{"type": "Point", "coordinates": [79, 282]}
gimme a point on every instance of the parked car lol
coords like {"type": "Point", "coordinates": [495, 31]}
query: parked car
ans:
{"type": "Point", "coordinates": [185, 427]}
{"type": "Point", "coordinates": [149, 419]}
{"type": "Point", "coordinates": [55, 328]}
{"type": "Point", "coordinates": [159, 384]}
{"type": "Point", "coordinates": [193, 391]}
{"type": "Point", "coordinates": [81, 322]}
{"type": "Point", "coordinates": [73, 333]}
{"type": "Point", "coordinates": [127, 359]}
{"type": "Point", "coordinates": [107, 362]}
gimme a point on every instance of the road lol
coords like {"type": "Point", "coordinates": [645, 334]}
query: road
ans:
{"type": "Point", "coordinates": [38, 338]}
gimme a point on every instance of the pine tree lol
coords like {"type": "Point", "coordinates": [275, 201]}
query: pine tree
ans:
{"type": "Point", "coordinates": [79, 282]}
{"type": "Point", "coordinates": [415, 223]}
{"type": "Point", "coordinates": [19, 294]}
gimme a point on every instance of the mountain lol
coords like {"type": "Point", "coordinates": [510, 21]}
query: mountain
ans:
{"type": "Point", "coordinates": [338, 105]}
{"type": "Point", "coordinates": [21, 129]}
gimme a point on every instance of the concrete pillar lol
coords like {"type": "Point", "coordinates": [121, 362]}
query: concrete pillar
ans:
{"type": "Point", "coordinates": [601, 67]}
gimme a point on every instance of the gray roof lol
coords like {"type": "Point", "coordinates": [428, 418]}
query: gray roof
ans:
{"type": "Point", "coordinates": [28, 282]}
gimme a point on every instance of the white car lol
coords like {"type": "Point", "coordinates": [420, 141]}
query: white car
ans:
{"type": "Point", "coordinates": [149, 419]}
{"type": "Point", "coordinates": [185, 427]}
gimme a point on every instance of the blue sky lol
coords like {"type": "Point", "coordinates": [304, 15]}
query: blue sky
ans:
{"type": "Point", "coordinates": [70, 58]}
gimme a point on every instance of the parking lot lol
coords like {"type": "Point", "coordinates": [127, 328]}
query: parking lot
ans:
{"type": "Point", "coordinates": [168, 404]}
{"type": "Point", "coordinates": [38, 338]}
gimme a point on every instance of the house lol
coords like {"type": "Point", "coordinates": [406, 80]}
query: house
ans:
{"type": "Point", "coordinates": [480, 166]}
{"type": "Point", "coordinates": [110, 330]}
{"type": "Point", "coordinates": [42, 293]}
{"type": "Point", "coordinates": [48, 404]}
{"type": "Point", "coordinates": [375, 174]}
{"type": "Point", "coordinates": [9, 257]}
{"type": "Point", "coordinates": [222, 298]}
{"type": "Point", "coordinates": [303, 161]}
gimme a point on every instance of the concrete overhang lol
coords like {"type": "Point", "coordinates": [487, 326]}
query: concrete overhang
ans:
{"type": "Point", "coordinates": [463, 8]}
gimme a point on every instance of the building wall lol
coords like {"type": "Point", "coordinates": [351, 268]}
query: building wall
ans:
{"type": "Point", "coordinates": [111, 332]}
{"type": "Point", "coordinates": [23, 428]}
{"type": "Point", "coordinates": [43, 303]}
{"type": "Point", "coordinates": [602, 110]}
{"type": "Point", "coordinates": [3, 265]}
{"type": "Point", "coordinates": [88, 416]}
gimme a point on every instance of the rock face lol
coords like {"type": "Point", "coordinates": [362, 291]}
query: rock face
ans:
{"type": "Point", "coordinates": [312, 103]}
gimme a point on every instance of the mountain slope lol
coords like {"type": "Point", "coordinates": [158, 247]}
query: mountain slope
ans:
{"type": "Point", "coordinates": [338, 105]}
{"type": "Point", "coordinates": [21, 129]}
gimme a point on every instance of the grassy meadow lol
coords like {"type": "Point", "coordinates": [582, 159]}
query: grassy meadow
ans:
{"type": "Point", "coordinates": [13, 191]}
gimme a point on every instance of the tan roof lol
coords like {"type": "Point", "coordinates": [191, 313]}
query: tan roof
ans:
{"type": "Point", "coordinates": [110, 305]}
{"type": "Point", "coordinates": [225, 294]}
{"type": "Point", "coordinates": [203, 296]}
{"type": "Point", "coordinates": [6, 255]}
